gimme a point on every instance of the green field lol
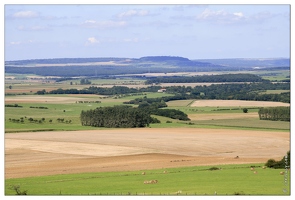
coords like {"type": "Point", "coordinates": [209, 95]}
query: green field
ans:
{"type": "Point", "coordinates": [228, 180]}
{"type": "Point", "coordinates": [70, 111]}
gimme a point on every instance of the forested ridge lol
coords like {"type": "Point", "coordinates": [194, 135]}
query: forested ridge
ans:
{"type": "Point", "coordinates": [207, 78]}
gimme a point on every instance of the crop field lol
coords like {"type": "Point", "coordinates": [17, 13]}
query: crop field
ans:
{"type": "Point", "coordinates": [49, 152]}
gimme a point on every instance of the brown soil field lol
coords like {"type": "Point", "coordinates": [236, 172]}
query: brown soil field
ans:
{"type": "Point", "coordinates": [49, 153]}
{"type": "Point", "coordinates": [216, 116]}
{"type": "Point", "coordinates": [52, 99]}
{"type": "Point", "coordinates": [236, 103]}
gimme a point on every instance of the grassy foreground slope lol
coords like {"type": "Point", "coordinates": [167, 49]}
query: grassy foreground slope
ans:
{"type": "Point", "coordinates": [226, 180]}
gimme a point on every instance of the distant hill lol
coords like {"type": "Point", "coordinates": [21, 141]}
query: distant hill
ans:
{"type": "Point", "coordinates": [176, 61]}
{"type": "Point", "coordinates": [163, 59]}
{"type": "Point", "coordinates": [98, 67]}
{"type": "Point", "coordinates": [250, 62]}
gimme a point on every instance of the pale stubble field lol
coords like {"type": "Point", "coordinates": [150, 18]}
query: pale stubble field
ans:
{"type": "Point", "coordinates": [49, 153]}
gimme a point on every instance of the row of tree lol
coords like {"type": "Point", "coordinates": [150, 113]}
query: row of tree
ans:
{"type": "Point", "coordinates": [207, 78]}
{"type": "Point", "coordinates": [115, 90]}
{"type": "Point", "coordinates": [275, 113]}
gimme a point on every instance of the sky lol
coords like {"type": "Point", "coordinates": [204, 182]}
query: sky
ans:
{"type": "Point", "coordinates": [194, 31]}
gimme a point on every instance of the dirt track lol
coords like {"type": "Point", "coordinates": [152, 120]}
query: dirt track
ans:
{"type": "Point", "coordinates": [48, 153]}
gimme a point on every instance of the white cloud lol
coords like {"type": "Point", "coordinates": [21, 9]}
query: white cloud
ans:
{"type": "Point", "coordinates": [91, 41]}
{"type": "Point", "coordinates": [25, 14]}
{"type": "Point", "coordinates": [221, 16]}
{"type": "Point", "coordinates": [103, 24]}
{"type": "Point", "coordinates": [239, 14]}
{"type": "Point", "coordinates": [131, 13]}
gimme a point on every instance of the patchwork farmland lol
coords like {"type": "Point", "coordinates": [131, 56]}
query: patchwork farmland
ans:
{"type": "Point", "coordinates": [50, 146]}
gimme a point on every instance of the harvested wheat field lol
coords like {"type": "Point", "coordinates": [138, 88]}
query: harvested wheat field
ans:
{"type": "Point", "coordinates": [49, 153]}
{"type": "Point", "coordinates": [52, 99]}
{"type": "Point", "coordinates": [236, 103]}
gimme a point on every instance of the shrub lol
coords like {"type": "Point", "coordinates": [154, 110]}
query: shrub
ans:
{"type": "Point", "coordinates": [16, 188]}
{"type": "Point", "coordinates": [154, 120]}
{"type": "Point", "coordinates": [214, 168]}
{"type": "Point", "coordinates": [282, 164]}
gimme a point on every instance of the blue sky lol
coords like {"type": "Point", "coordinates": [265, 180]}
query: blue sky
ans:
{"type": "Point", "coordinates": [192, 31]}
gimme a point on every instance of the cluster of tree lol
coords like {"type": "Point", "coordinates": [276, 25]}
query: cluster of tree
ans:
{"type": "Point", "coordinates": [13, 105]}
{"type": "Point", "coordinates": [274, 113]}
{"type": "Point", "coordinates": [207, 78]}
{"type": "Point", "coordinates": [171, 113]}
{"type": "Point", "coordinates": [62, 120]}
{"type": "Point", "coordinates": [85, 81]}
{"type": "Point", "coordinates": [116, 117]}
{"type": "Point", "coordinates": [88, 101]}
{"type": "Point", "coordinates": [153, 105]}
{"type": "Point", "coordinates": [40, 107]}
{"type": "Point", "coordinates": [282, 164]}
{"type": "Point", "coordinates": [21, 120]}
{"type": "Point", "coordinates": [156, 101]}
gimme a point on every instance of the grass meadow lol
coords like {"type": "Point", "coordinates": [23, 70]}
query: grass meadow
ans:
{"type": "Point", "coordinates": [226, 180]}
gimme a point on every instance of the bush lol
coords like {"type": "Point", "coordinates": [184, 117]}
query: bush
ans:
{"type": "Point", "coordinates": [214, 168]}
{"type": "Point", "coordinates": [245, 110]}
{"type": "Point", "coordinates": [16, 188]}
{"type": "Point", "coordinates": [154, 120]}
{"type": "Point", "coordinates": [282, 164]}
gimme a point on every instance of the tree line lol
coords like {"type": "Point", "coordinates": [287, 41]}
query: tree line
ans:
{"type": "Point", "coordinates": [274, 113]}
{"type": "Point", "coordinates": [243, 91]}
{"type": "Point", "coordinates": [115, 90]}
{"type": "Point", "coordinates": [207, 78]}
{"type": "Point", "coordinates": [153, 105]}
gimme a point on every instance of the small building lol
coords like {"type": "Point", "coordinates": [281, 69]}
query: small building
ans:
{"type": "Point", "coordinates": [162, 90]}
